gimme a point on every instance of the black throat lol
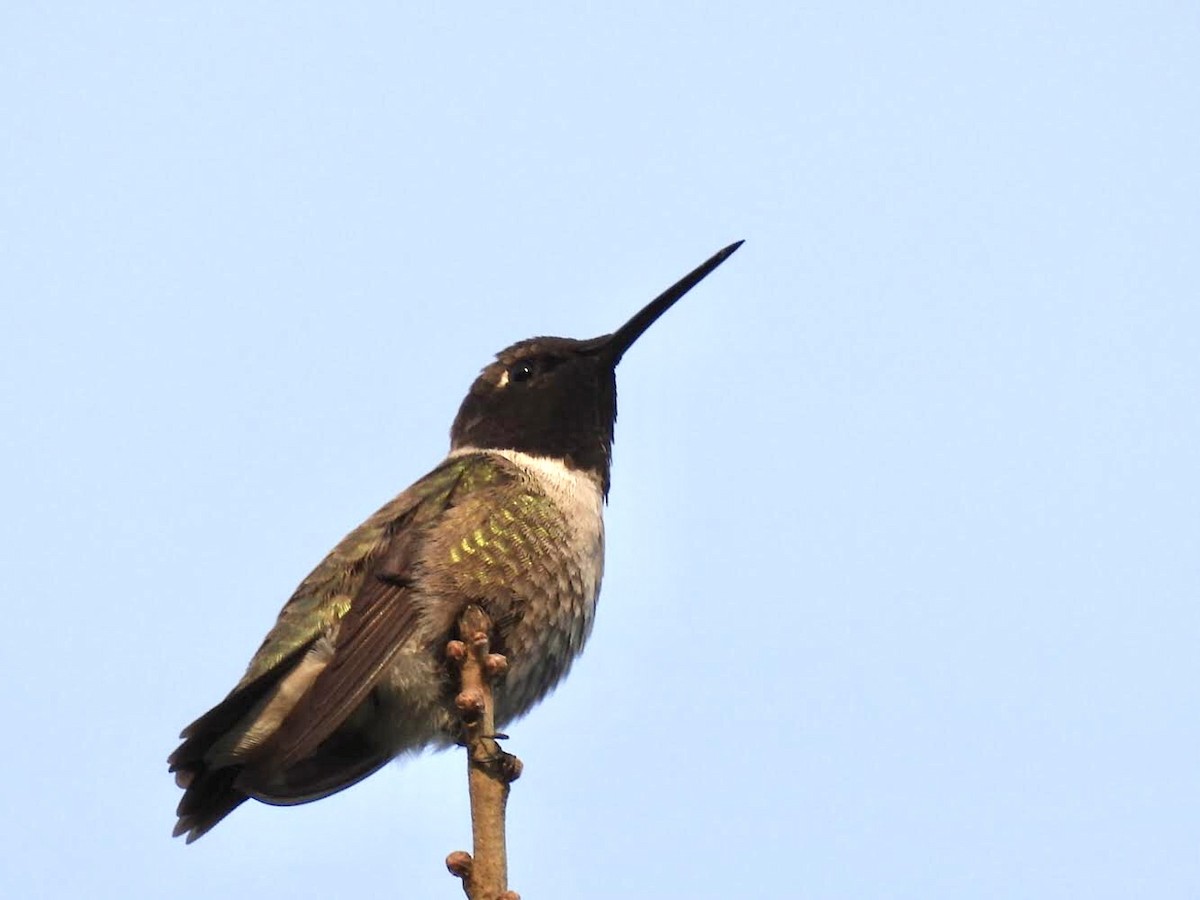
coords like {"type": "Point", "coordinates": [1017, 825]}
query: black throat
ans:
{"type": "Point", "coordinates": [551, 397]}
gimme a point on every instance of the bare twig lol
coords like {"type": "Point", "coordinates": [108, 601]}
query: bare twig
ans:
{"type": "Point", "coordinates": [490, 770]}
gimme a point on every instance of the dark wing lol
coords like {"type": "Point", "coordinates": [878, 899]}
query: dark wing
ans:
{"type": "Point", "coordinates": [360, 593]}
{"type": "Point", "coordinates": [379, 622]}
{"type": "Point", "coordinates": [373, 630]}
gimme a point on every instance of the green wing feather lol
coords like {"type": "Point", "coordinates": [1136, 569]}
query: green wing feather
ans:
{"type": "Point", "coordinates": [370, 591]}
{"type": "Point", "coordinates": [390, 535]}
{"type": "Point", "coordinates": [360, 587]}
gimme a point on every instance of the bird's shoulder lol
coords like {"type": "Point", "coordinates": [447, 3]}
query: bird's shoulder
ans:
{"type": "Point", "coordinates": [382, 548]}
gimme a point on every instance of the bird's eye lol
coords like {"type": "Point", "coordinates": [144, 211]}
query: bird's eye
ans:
{"type": "Point", "coordinates": [522, 371]}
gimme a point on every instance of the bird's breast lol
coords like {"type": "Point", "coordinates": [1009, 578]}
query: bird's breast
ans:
{"type": "Point", "coordinates": [536, 562]}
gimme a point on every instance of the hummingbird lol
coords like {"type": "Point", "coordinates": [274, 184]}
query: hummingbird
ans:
{"type": "Point", "coordinates": [354, 672]}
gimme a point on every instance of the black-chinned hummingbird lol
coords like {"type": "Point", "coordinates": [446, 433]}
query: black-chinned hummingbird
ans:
{"type": "Point", "coordinates": [354, 671]}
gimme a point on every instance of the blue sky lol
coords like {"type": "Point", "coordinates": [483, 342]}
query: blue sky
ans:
{"type": "Point", "coordinates": [903, 541]}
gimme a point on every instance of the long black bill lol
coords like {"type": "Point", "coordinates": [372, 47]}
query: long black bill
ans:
{"type": "Point", "coordinates": [615, 344]}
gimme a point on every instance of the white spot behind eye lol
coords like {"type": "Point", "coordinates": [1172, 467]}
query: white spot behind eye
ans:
{"type": "Point", "coordinates": [503, 379]}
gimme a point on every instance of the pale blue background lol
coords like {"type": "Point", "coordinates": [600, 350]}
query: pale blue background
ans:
{"type": "Point", "coordinates": [903, 545]}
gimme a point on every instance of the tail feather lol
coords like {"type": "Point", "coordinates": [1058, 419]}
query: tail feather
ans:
{"type": "Point", "coordinates": [211, 793]}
